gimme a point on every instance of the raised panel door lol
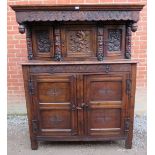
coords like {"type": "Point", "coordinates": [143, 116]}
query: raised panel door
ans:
{"type": "Point", "coordinates": [105, 99]}
{"type": "Point", "coordinates": [55, 104]}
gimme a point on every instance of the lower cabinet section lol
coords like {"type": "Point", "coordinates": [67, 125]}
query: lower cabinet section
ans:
{"type": "Point", "coordinates": [81, 106]}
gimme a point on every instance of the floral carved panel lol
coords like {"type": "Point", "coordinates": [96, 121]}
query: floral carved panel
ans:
{"type": "Point", "coordinates": [114, 40]}
{"type": "Point", "coordinates": [80, 42]}
{"type": "Point", "coordinates": [43, 41]}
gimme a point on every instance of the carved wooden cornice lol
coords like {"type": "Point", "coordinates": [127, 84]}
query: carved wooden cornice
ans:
{"type": "Point", "coordinates": [44, 13]}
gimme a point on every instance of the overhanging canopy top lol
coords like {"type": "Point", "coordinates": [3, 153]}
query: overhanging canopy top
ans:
{"type": "Point", "coordinates": [30, 13]}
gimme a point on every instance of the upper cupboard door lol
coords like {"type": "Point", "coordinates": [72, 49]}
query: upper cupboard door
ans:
{"type": "Point", "coordinates": [105, 100]}
{"type": "Point", "coordinates": [55, 101]}
{"type": "Point", "coordinates": [79, 42]}
{"type": "Point", "coordinates": [42, 42]}
{"type": "Point", "coordinates": [114, 41]}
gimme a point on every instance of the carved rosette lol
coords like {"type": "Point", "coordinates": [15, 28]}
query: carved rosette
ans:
{"type": "Point", "coordinates": [57, 55]}
{"type": "Point", "coordinates": [128, 42]}
{"type": "Point", "coordinates": [100, 45]}
{"type": "Point", "coordinates": [29, 43]}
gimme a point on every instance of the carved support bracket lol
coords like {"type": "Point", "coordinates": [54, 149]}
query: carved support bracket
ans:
{"type": "Point", "coordinates": [100, 45]}
{"type": "Point", "coordinates": [21, 28]}
{"type": "Point", "coordinates": [57, 54]}
{"type": "Point", "coordinates": [128, 41]}
{"type": "Point", "coordinates": [29, 43]}
{"type": "Point", "coordinates": [134, 27]}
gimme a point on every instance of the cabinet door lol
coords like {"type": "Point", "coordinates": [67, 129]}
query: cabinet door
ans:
{"type": "Point", "coordinates": [55, 104]}
{"type": "Point", "coordinates": [105, 99]}
{"type": "Point", "coordinates": [79, 42]}
{"type": "Point", "coordinates": [114, 38]}
{"type": "Point", "coordinates": [42, 41]}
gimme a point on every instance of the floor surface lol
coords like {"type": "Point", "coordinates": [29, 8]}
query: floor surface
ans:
{"type": "Point", "coordinates": [19, 143]}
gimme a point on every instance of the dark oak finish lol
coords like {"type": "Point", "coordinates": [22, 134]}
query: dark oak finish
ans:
{"type": "Point", "coordinates": [80, 105]}
{"type": "Point", "coordinates": [80, 80]}
{"type": "Point", "coordinates": [42, 39]}
{"type": "Point", "coordinates": [70, 41]}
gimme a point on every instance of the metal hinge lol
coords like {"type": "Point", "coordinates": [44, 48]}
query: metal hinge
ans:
{"type": "Point", "coordinates": [127, 124]}
{"type": "Point", "coordinates": [128, 87]}
{"type": "Point", "coordinates": [34, 126]}
{"type": "Point", "coordinates": [31, 87]}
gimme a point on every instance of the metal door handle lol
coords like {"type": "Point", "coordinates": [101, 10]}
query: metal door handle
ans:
{"type": "Point", "coordinates": [79, 108]}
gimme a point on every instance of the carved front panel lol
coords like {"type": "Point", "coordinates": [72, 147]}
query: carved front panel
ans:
{"type": "Point", "coordinates": [80, 41]}
{"type": "Point", "coordinates": [105, 97]}
{"type": "Point", "coordinates": [43, 41]}
{"type": "Point", "coordinates": [55, 99]}
{"type": "Point", "coordinates": [114, 41]}
{"type": "Point", "coordinates": [42, 37]}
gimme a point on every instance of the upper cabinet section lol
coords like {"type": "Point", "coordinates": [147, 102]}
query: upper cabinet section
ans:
{"type": "Point", "coordinates": [78, 32]}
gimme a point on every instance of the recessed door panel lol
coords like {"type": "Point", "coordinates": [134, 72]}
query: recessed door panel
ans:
{"type": "Point", "coordinates": [105, 118]}
{"type": "Point", "coordinates": [106, 91]}
{"type": "Point", "coordinates": [54, 92]}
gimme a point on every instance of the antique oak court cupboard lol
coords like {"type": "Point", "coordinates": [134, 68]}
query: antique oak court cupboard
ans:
{"type": "Point", "coordinates": [80, 79]}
